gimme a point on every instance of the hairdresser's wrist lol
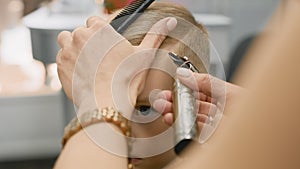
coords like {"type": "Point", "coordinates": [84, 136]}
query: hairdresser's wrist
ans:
{"type": "Point", "coordinates": [90, 103]}
{"type": "Point", "coordinates": [103, 92]}
{"type": "Point", "coordinates": [81, 145]}
{"type": "Point", "coordinates": [108, 95]}
{"type": "Point", "coordinates": [234, 91]}
{"type": "Point", "coordinates": [233, 94]}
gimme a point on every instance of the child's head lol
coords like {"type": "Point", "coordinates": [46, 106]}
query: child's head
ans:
{"type": "Point", "coordinates": [196, 47]}
{"type": "Point", "coordinates": [197, 43]}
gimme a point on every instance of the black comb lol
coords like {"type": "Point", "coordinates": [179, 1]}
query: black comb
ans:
{"type": "Point", "coordinates": [129, 14]}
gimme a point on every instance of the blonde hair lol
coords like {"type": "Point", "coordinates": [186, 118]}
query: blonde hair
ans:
{"type": "Point", "coordinates": [195, 47]}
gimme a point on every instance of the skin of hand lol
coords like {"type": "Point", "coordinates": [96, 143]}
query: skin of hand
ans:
{"type": "Point", "coordinates": [76, 64]}
{"type": "Point", "coordinates": [209, 92]}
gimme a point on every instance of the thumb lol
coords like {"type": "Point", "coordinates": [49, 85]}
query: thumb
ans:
{"type": "Point", "coordinates": [158, 33]}
{"type": "Point", "coordinates": [203, 83]}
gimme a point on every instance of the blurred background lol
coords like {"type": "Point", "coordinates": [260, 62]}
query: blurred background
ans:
{"type": "Point", "coordinates": [34, 110]}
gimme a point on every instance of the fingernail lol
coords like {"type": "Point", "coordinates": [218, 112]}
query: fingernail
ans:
{"type": "Point", "coordinates": [159, 105]}
{"type": "Point", "coordinates": [160, 95]}
{"type": "Point", "coordinates": [171, 24]}
{"type": "Point", "coordinates": [183, 72]}
{"type": "Point", "coordinates": [154, 95]}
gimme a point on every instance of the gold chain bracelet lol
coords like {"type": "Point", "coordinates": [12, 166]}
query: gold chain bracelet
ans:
{"type": "Point", "coordinates": [108, 114]}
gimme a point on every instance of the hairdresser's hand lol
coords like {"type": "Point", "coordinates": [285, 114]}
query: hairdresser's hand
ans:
{"type": "Point", "coordinates": [91, 55]}
{"type": "Point", "coordinates": [212, 94]}
{"type": "Point", "coordinates": [71, 44]}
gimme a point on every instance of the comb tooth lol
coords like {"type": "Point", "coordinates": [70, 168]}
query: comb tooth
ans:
{"type": "Point", "coordinates": [132, 7]}
{"type": "Point", "coordinates": [120, 23]}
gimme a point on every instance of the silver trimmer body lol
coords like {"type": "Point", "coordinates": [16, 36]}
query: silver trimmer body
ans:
{"type": "Point", "coordinates": [185, 108]}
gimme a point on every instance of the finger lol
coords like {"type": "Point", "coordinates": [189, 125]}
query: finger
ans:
{"type": "Point", "coordinates": [201, 118]}
{"type": "Point", "coordinates": [162, 106]}
{"type": "Point", "coordinates": [158, 33]}
{"type": "Point", "coordinates": [80, 36]}
{"type": "Point", "coordinates": [203, 83]}
{"type": "Point", "coordinates": [79, 33]}
{"type": "Point", "coordinates": [168, 119]}
{"type": "Point", "coordinates": [93, 20]}
{"type": "Point", "coordinates": [201, 96]}
{"type": "Point", "coordinates": [212, 100]}
{"type": "Point", "coordinates": [207, 109]}
{"type": "Point", "coordinates": [200, 126]}
{"type": "Point", "coordinates": [97, 24]}
{"type": "Point", "coordinates": [165, 94]}
{"type": "Point", "coordinates": [64, 38]}
{"type": "Point", "coordinates": [206, 128]}
{"type": "Point", "coordinates": [58, 58]}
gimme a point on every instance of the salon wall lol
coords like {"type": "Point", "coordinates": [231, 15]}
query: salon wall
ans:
{"type": "Point", "coordinates": [248, 17]}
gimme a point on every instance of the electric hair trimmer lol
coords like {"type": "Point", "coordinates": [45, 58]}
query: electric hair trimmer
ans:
{"type": "Point", "coordinates": [184, 107]}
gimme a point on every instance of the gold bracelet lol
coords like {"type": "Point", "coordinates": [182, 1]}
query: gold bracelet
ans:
{"type": "Point", "coordinates": [108, 114]}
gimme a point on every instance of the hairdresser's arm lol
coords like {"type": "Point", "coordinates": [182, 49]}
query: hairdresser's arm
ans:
{"type": "Point", "coordinates": [80, 151]}
{"type": "Point", "coordinates": [76, 68]}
